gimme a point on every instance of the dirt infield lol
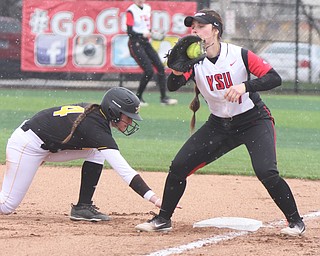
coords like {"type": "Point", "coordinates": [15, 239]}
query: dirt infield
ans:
{"type": "Point", "coordinates": [40, 226]}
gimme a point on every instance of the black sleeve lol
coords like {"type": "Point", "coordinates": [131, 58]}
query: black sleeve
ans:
{"type": "Point", "coordinates": [139, 185]}
{"type": "Point", "coordinates": [267, 79]}
{"type": "Point", "coordinates": [175, 82]}
{"type": "Point", "coordinates": [264, 83]}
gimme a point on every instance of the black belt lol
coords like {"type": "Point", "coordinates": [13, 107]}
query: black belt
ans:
{"type": "Point", "coordinates": [251, 113]}
{"type": "Point", "coordinates": [226, 119]}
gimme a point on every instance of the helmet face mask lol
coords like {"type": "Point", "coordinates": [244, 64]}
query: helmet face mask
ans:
{"type": "Point", "coordinates": [131, 128]}
{"type": "Point", "coordinates": [119, 100]}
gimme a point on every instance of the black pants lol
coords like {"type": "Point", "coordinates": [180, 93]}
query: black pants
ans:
{"type": "Point", "coordinates": [217, 137]}
{"type": "Point", "coordinates": [147, 58]}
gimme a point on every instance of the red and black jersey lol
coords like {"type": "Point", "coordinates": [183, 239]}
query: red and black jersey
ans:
{"type": "Point", "coordinates": [53, 125]}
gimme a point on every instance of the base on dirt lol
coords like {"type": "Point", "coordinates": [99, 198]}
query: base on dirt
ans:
{"type": "Point", "coordinates": [230, 222]}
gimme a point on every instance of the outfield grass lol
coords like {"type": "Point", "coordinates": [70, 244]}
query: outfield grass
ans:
{"type": "Point", "coordinates": [165, 128]}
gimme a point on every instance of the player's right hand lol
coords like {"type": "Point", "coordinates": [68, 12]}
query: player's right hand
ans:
{"type": "Point", "coordinates": [147, 35]}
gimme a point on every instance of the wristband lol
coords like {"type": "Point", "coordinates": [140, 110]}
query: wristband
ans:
{"type": "Point", "coordinates": [148, 195]}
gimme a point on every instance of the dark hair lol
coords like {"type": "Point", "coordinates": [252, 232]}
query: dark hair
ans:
{"type": "Point", "coordinates": [194, 106]}
{"type": "Point", "coordinates": [214, 14]}
{"type": "Point", "coordinates": [88, 109]}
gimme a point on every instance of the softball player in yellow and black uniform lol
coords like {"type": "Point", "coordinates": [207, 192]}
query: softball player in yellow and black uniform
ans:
{"type": "Point", "coordinates": [77, 131]}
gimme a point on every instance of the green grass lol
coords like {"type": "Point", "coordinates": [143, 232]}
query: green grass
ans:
{"type": "Point", "coordinates": [303, 87]}
{"type": "Point", "coordinates": [164, 130]}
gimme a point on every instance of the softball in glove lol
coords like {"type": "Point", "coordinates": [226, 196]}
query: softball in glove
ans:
{"type": "Point", "coordinates": [188, 51]}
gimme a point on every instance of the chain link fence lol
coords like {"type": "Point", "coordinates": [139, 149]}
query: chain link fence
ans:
{"type": "Point", "coordinates": [285, 33]}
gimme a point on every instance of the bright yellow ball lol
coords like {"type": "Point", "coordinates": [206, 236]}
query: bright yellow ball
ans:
{"type": "Point", "coordinates": [194, 50]}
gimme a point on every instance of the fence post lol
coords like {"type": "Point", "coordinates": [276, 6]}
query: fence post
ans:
{"type": "Point", "coordinates": [310, 46]}
{"type": "Point", "coordinates": [297, 46]}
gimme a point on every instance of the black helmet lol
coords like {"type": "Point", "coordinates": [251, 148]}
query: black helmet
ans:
{"type": "Point", "coordinates": [119, 100]}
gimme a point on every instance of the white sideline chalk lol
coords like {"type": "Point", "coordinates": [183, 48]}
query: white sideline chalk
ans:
{"type": "Point", "coordinates": [218, 238]}
{"type": "Point", "coordinates": [236, 223]}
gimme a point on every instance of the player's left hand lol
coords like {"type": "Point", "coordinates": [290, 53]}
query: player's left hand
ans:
{"type": "Point", "coordinates": [234, 93]}
{"type": "Point", "coordinates": [178, 58]}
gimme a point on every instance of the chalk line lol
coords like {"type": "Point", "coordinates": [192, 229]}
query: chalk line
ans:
{"type": "Point", "coordinates": [219, 238]}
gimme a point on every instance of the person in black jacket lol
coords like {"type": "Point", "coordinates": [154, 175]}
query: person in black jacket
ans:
{"type": "Point", "coordinates": [70, 132]}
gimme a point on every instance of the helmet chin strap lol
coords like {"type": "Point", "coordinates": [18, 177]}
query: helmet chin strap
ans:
{"type": "Point", "coordinates": [131, 128]}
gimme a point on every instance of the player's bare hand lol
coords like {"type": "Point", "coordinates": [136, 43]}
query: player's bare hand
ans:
{"type": "Point", "coordinates": [177, 73]}
{"type": "Point", "coordinates": [147, 34]}
{"type": "Point", "coordinates": [234, 93]}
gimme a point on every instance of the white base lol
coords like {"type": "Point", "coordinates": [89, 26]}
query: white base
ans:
{"type": "Point", "coordinates": [230, 222]}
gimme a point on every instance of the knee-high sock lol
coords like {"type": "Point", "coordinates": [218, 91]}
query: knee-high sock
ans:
{"type": "Point", "coordinates": [162, 84]}
{"type": "Point", "coordinates": [90, 175]}
{"type": "Point", "coordinates": [283, 197]}
{"type": "Point", "coordinates": [173, 191]}
{"type": "Point", "coordinates": [146, 77]}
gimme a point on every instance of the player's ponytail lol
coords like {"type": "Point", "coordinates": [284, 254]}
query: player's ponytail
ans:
{"type": "Point", "coordinates": [194, 106]}
{"type": "Point", "coordinates": [82, 116]}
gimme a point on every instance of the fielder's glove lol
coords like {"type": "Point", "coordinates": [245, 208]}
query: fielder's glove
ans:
{"type": "Point", "coordinates": [177, 57]}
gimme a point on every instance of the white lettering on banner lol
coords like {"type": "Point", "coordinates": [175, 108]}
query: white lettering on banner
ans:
{"type": "Point", "coordinates": [61, 24]}
{"type": "Point", "coordinates": [178, 26]}
{"type": "Point", "coordinates": [123, 20]}
{"type": "Point", "coordinates": [107, 21]}
{"type": "Point", "coordinates": [85, 26]}
{"type": "Point", "coordinates": [54, 51]}
{"type": "Point", "coordinates": [39, 21]}
{"type": "Point", "coordinates": [160, 21]}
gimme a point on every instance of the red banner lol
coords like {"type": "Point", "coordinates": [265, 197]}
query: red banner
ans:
{"type": "Point", "coordinates": [90, 36]}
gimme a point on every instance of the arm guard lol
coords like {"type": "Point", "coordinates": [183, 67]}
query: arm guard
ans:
{"type": "Point", "coordinates": [139, 185]}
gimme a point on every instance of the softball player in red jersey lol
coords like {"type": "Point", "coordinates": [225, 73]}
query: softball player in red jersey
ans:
{"type": "Point", "coordinates": [138, 20]}
{"type": "Point", "coordinates": [238, 117]}
{"type": "Point", "coordinates": [78, 131]}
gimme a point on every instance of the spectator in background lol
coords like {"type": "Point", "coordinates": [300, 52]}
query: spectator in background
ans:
{"type": "Point", "coordinates": [138, 28]}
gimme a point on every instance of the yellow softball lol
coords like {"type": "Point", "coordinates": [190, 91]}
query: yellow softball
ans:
{"type": "Point", "coordinates": [194, 50]}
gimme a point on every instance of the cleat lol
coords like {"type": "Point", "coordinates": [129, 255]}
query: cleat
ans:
{"type": "Point", "coordinates": [143, 103]}
{"type": "Point", "coordinates": [294, 229]}
{"type": "Point", "coordinates": [87, 212]}
{"type": "Point", "coordinates": [156, 224]}
{"type": "Point", "coordinates": [168, 101]}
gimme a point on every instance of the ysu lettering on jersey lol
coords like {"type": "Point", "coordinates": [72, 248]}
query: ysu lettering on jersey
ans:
{"type": "Point", "coordinates": [214, 79]}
